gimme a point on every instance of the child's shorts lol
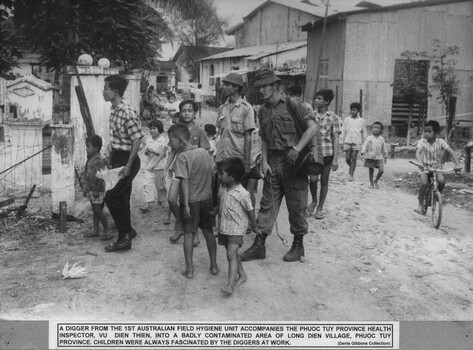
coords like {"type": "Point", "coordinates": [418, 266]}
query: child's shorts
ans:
{"type": "Point", "coordinates": [96, 200]}
{"type": "Point", "coordinates": [351, 146]}
{"type": "Point", "coordinates": [202, 216]}
{"type": "Point", "coordinates": [225, 240]}
{"type": "Point", "coordinates": [374, 163]}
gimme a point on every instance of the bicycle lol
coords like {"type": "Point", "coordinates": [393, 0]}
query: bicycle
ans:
{"type": "Point", "coordinates": [433, 197]}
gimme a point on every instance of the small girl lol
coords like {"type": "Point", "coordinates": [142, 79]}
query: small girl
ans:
{"type": "Point", "coordinates": [376, 155]}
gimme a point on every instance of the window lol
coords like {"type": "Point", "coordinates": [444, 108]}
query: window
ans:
{"type": "Point", "coordinates": [323, 75]}
{"type": "Point", "coordinates": [2, 134]}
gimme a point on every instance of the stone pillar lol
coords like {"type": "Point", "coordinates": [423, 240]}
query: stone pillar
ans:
{"type": "Point", "coordinates": [132, 92]}
{"type": "Point", "coordinates": [92, 78]}
{"type": "Point", "coordinates": [62, 167]}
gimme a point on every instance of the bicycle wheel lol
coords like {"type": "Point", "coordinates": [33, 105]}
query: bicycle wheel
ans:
{"type": "Point", "coordinates": [436, 208]}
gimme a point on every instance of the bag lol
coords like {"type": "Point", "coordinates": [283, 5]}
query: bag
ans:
{"type": "Point", "coordinates": [310, 160]}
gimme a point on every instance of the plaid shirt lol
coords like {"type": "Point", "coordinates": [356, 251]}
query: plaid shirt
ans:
{"type": "Point", "coordinates": [329, 124]}
{"type": "Point", "coordinates": [125, 127]}
{"type": "Point", "coordinates": [234, 206]}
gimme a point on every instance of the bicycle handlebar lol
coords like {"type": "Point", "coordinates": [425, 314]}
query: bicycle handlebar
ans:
{"type": "Point", "coordinates": [433, 169]}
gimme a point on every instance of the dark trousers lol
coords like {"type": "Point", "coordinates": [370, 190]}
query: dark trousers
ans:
{"type": "Point", "coordinates": [285, 182]}
{"type": "Point", "coordinates": [118, 198]}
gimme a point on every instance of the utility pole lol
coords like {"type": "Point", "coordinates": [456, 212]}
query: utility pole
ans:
{"type": "Point", "coordinates": [322, 43]}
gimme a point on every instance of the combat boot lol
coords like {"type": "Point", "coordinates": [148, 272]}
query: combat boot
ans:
{"type": "Point", "coordinates": [256, 251]}
{"type": "Point", "coordinates": [296, 251]}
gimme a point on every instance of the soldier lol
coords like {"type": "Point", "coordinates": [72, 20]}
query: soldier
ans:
{"type": "Point", "coordinates": [280, 149]}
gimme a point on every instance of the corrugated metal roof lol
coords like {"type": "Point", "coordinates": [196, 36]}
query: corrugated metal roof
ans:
{"type": "Point", "coordinates": [277, 49]}
{"type": "Point", "coordinates": [316, 8]}
{"type": "Point", "coordinates": [261, 50]}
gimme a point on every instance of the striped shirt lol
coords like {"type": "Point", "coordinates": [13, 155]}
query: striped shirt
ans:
{"type": "Point", "coordinates": [125, 127]}
{"type": "Point", "coordinates": [431, 154]}
{"type": "Point", "coordinates": [234, 205]}
{"type": "Point", "coordinates": [374, 147]}
{"type": "Point", "coordinates": [329, 125]}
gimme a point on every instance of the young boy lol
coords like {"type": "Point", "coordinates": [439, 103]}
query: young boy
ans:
{"type": "Point", "coordinates": [354, 135]}
{"type": "Point", "coordinates": [235, 210]}
{"type": "Point", "coordinates": [376, 156]}
{"type": "Point", "coordinates": [330, 130]}
{"type": "Point", "coordinates": [193, 171]}
{"type": "Point", "coordinates": [430, 151]}
{"type": "Point", "coordinates": [211, 132]}
{"type": "Point", "coordinates": [95, 187]}
{"type": "Point", "coordinates": [198, 137]}
{"type": "Point", "coordinates": [155, 151]}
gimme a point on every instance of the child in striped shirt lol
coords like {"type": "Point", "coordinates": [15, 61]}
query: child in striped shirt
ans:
{"type": "Point", "coordinates": [235, 210]}
{"type": "Point", "coordinates": [430, 152]}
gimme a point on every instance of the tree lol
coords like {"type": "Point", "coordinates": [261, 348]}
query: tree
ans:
{"type": "Point", "coordinates": [128, 32]}
{"type": "Point", "coordinates": [197, 31]}
{"type": "Point", "coordinates": [9, 39]}
{"type": "Point", "coordinates": [411, 83]}
{"type": "Point", "coordinates": [445, 80]}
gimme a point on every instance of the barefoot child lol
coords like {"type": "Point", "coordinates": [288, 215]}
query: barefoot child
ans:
{"type": "Point", "coordinates": [376, 156]}
{"type": "Point", "coordinates": [95, 187]}
{"type": "Point", "coordinates": [194, 170]}
{"type": "Point", "coordinates": [354, 135]}
{"type": "Point", "coordinates": [155, 151]}
{"type": "Point", "coordinates": [235, 210]}
{"type": "Point", "coordinates": [430, 152]}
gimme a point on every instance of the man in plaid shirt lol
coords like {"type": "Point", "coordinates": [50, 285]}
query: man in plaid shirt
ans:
{"type": "Point", "coordinates": [125, 139]}
{"type": "Point", "coordinates": [330, 129]}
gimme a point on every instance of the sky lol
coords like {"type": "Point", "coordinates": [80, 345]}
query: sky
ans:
{"type": "Point", "coordinates": [235, 10]}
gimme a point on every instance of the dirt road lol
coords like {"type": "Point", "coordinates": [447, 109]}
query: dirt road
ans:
{"type": "Point", "coordinates": [371, 258]}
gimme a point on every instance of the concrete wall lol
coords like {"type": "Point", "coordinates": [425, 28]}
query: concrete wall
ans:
{"type": "Point", "coordinates": [274, 23]}
{"type": "Point", "coordinates": [92, 78]}
{"type": "Point", "coordinates": [22, 139]}
{"type": "Point", "coordinates": [62, 172]}
{"type": "Point", "coordinates": [32, 97]}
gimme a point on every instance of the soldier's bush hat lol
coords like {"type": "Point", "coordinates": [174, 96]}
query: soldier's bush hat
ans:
{"type": "Point", "coordinates": [265, 77]}
{"type": "Point", "coordinates": [233, 78]}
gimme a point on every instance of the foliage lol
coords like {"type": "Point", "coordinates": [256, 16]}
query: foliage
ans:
{"type": "Point", "coordinates": [10, 51]}
{"type": "Point", "coordinates": [443, 72]}
{"type": "Point", "coordinates": [411, 79]}
{"type": "Point", "coordinates": [197, 31]}
{"type": "Point", "coordinates": [127, 32]}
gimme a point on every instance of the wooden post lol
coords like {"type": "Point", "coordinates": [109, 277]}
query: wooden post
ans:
{"type": "Point", "coordinates": [361, 103]}
{"type": "Point", "coordinates": [84, 107]}
{"type": "Point", "coordinates": [62, 216]}
{"type": "Point", "coordinates": [322, 43]}
{"type": "Point", "coordinates": [393, 149]}
{"type": "Point", "coordinates": [336, 101]}
{"type": "Point", "coordinates": [468, 159]}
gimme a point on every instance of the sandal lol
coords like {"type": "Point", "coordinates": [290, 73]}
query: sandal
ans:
{"type": "Point", "coordinates": [319, 216]}
{"type": "Point", "coordinates": [310, 209]}
{"type": "Point", "coordinates": [167, 221]}
{"type": "Point", "coordinates": [107, 236]}
{"type": "Point", "coordinates": [175, 238]}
